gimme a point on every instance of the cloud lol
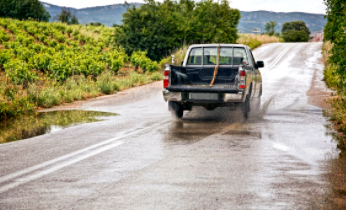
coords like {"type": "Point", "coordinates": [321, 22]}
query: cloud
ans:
{"type": "Point", "coordinates": [310, 6]}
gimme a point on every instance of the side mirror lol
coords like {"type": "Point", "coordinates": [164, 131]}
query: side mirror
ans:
{"type": "Point", "coordinates": [260, 64]}
{"type": "Point", "coordinates": [181, 64]}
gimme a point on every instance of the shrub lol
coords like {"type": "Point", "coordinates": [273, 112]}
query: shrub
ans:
{"type": "Point", "coordinates": [61, 39]}
{"type": "Point", "coordinates": [156, 76]}
{"type": "Point", "coordinates": [140, 58]}
{"type": "Point", "coordinates": [75, 33]}
{"type": "Point", "coordinates": [19, 73]}
{"type": "Point", "coordinates": [295, 36]}
{"type": "Point", "coordinates": [4, 37]}
{"type": "Point", "coordinates": [106, 84]}
{"type": "Point", "coordinates": [331, 76]}
{"type": "Point", "coordinates": [13, 102]}
{"type": "Point", "coordinates": [69, 31]}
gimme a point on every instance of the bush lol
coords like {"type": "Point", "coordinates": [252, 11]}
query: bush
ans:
{"type": "Point", "coordinates": [75, 33]}
{"type": "Point", "coordinates": [106, 84]}
{"type": "Point", "coordinates": [251, 42]}
{"type": "Point", "coordinates": [295, 36]}
{"type": "Point", "coordinates": [61, 39]}
{"type": "Point", "coordinates": [4, 37]}
{"type": "Point", "coordinates": [331, 76]}
{"type": "Point", "coordinates": [156, 76]}
{"type": "Point", "coordinates": [140, 59]}
{"type": "Point", "coordinates": [19, 73]}
{"type": "Point", "coordinates": [13, 102]}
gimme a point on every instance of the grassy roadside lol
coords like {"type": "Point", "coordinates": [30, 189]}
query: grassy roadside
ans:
{"type": "Point", "coordinates": [338, 103]}
{"type": "Point", "coordinates": [45, 93]}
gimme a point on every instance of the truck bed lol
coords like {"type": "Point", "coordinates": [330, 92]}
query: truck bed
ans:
{"type": "Point", "coordinates": [194, 78]}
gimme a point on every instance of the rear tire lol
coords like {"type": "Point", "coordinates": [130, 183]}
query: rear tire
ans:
{"type": "Point", "coordinates": [245, 109]}
{"type": "Point", "coordinates": [176, 109]}
{"type": "Point", "coordinates": [178, 114]}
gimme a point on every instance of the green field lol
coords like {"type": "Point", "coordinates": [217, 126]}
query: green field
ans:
{"type": "Point", "coordinates": [46, 64]}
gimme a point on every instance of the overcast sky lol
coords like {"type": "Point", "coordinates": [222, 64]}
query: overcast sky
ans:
{"type": "Point", "coordinates": [310, 6]}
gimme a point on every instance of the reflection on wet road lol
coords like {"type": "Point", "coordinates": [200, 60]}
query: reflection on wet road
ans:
{"type": "Point", "coordinates": [46, 122]}
{"type": "Point", "coordinates": [142, 159]}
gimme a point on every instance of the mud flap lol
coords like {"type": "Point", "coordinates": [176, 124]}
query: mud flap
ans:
{"type": "Point", "coordinates": [176, 109]}
{"type": "Point", "coordinates": [174, 106]}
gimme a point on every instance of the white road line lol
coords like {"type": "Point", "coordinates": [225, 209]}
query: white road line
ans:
{"type": "Point", "coordinates": [20, 181]}
{"type": "Point", "coordinates": [9, 177]}
{"type": "Point", "coordinates": [278, 58]}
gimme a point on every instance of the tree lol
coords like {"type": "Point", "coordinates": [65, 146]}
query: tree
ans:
{"type": "Point", "coordinates": [334, 32]}
{"type": "Point", "coordinates": [66, 16]}
{"type": "Point", "coordinates": [95, 24]}
{"type": "Point", "coordinates": [270, 28]}
{"type": "Point", "coordinates": [295, 31]}
{"type": "Point", "coordinates": [23, 10]}
{"type": "Point", "coordinates": [74, 19]}
{"type": "Point", "coordinates": [295, 26]}
{"type": "Point", "coordinates": [295, 36]}
{"type": "Point", "coordinates": [160, 28]}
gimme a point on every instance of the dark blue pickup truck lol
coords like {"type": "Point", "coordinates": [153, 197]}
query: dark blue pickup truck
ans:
{"type": "Point", "coordinates": [214, 75]}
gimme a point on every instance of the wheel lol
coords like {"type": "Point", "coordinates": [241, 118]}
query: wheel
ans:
{"type": "Point", "coordinates": [245, 109]}
{"type": "Point", "coordinates": [178, 113]}
{"type": "Point", "coordinates": [176, 109]}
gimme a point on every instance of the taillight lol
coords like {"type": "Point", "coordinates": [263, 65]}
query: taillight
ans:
{"type": "Point", "coordinates": [242, 75]}
{"type": "Point", "coordinates": [241, 79]}
{"type": "Point", "coordinates": [165, 79]}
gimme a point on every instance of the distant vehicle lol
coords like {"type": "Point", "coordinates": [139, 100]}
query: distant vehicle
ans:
{"type": "Point", "coordinates": [214, 75]}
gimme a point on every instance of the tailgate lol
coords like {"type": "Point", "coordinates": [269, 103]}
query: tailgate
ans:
{"type": "Point", "coordinates": [197, 79]}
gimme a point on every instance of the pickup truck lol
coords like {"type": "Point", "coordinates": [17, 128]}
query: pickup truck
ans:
{"type": "Point", "coordinates": [214, 75]}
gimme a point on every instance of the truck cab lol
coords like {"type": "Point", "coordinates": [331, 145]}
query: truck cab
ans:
{"type": "Point", "coordinates": [214, 75]}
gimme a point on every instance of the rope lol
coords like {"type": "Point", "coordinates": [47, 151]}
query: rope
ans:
{"type": "Point", "coordinates": [216, 67]}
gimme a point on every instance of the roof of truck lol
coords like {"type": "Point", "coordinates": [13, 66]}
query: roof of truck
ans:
{"type": "Point", "coordinates": [216, 45]}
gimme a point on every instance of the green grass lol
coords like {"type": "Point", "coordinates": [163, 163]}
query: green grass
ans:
{"type": "Point", "coordinates": [46, 64]}
{"type": "Point", "coordinates": [16, 101]}
{"type": "Point", "coordinates": [333, 81]}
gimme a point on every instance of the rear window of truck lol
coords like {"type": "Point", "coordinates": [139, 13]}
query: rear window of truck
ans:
{"type": "Point", "coordinates": [208, 56]}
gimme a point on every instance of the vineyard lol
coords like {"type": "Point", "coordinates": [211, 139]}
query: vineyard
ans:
{"type": "Point", "coordinates": [37, 58]}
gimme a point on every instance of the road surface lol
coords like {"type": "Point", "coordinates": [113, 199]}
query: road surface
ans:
{"type": "Point", "coordinates": [143, 159]}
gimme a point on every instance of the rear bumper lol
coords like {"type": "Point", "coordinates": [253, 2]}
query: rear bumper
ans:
{"type": "Point", "coordinates": [182, 97]}
{"type": "Point", "coordinates": [204, 88]}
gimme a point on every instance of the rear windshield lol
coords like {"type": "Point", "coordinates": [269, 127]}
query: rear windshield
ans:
{"type": "Point", "coordinates": [228, 56]}
{"type": "Point", "coordinates": [195, 57]}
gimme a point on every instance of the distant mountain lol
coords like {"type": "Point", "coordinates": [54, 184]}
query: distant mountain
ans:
{"type": "Point", "coordinates": [105, 14]}
{"type": "Point", "coordinates": [250, 20]}
{"type": "Point", "coordinates": [257, 19]}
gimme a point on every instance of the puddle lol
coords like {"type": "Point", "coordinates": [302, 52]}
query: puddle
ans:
{"type": "Point", "coordinates": [46, 122]}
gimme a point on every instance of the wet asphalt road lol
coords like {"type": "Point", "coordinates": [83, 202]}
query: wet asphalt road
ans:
{"type": "Point", "coordinates": [143, 159]}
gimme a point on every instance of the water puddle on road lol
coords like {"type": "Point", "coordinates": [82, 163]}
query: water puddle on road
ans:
{"type": "Point", "coordinates": [46, 122]}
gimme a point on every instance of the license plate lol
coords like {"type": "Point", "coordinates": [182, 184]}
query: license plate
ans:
{"type": "Point", "coordinates": [204, 96]}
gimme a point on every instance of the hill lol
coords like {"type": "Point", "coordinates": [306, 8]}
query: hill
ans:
{"type": "Point", "coordinates": [105, 14]}
{"type": "Point", "coordinates": [113, 13]}
{"type": "Point", "coordinates": [258, 19]}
